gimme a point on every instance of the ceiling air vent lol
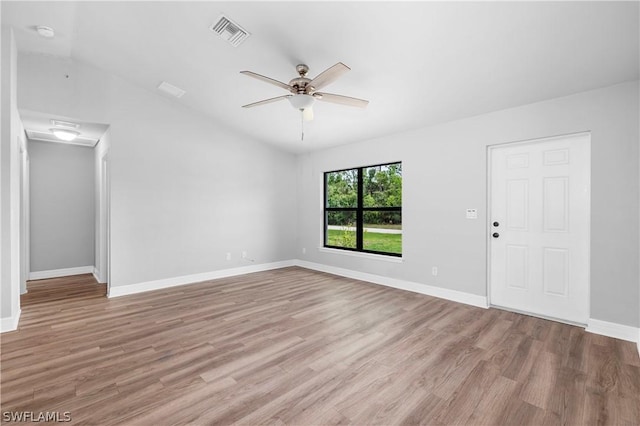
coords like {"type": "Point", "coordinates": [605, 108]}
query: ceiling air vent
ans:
{"type": "Point", "coordinates": [230, 31]}
{"type": "Point", "coordinates": [67, 124]}
{"type": "Point", "coordinates": [170, 89]}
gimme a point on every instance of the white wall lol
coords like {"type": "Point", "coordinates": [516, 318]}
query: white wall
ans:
{"type": "Point", "coordinates": [62, 179]}
{"type": "Point", "coordinates": [184, 189]}
{"type": "Point", "coordinates": [10, 171]}
{"type": "Point", "coordinates": [444, 171]}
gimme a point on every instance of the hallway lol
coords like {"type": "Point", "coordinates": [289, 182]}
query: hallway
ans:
{"type": "Point", "coordinates": [66, 290]}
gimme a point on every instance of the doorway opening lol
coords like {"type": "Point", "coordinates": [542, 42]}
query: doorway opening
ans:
{"type": "Point", "coordinates": [64, 203]}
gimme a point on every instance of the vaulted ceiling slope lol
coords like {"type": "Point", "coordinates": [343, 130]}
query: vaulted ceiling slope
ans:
{"type": "Point", "coordinates": [418, 63]}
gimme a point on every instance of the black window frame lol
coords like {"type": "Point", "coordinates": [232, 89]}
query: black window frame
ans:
{"type": "Point", "coordinates": [359, 210]}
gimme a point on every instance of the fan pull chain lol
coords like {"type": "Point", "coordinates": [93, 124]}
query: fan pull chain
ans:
{"type": "Point", "coordinates": [302, 124]}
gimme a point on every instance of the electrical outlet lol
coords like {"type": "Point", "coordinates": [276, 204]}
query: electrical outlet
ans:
{"type": "Point", "coordinates": [434, 271]}
{"type": "Point", "coordinates": [228, 256]}
{"type": "Point", "coordinates": [244, 254]}
{"type": "Point", "coordinates": [304, 250]}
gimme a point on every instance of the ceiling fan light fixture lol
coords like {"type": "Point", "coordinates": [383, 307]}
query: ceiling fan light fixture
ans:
{"type": "Point", "coordinates": [65, 134]}
{"type": "Point", "coordinates": [302, 102]}
{"type": "Point", "coordinates": [307, 114]}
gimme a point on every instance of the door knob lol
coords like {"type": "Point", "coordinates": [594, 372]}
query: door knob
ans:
{"type": "Point", "coordinates": [496, 235]}
{"type": "Point", "coordinates": [496, 224]}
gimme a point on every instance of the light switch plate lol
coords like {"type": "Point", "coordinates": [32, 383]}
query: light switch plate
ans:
{"type": "Point", "coordinates": [472, 213]}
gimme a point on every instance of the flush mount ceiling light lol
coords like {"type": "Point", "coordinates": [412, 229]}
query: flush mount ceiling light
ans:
{"type": "Point", "coordinates": [44, 31]}
{"type": "Point", "coordinates": [65, 134]}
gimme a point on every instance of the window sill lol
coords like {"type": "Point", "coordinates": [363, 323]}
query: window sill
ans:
{"type": "Point", "coordinates": [392, 259]}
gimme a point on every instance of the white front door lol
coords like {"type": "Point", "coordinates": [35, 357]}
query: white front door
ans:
{"type": "Point", "coordinates": [539, 230]}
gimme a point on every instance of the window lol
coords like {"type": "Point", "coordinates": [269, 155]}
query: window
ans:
{"type": "Point", "coordinates": [363, 209]}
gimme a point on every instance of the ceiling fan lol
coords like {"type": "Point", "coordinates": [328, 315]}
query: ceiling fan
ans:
{"type": "Point", "coordinates": [304, 91]}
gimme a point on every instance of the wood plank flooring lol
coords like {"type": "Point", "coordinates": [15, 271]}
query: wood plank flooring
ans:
{"type": "Point", "coordinates": [294, 346]}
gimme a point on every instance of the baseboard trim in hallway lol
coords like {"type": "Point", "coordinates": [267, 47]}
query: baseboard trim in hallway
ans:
{"type": "Point", "coordinates": [57, 273]}
{"type": "Point", "coordinates": [10, 323]}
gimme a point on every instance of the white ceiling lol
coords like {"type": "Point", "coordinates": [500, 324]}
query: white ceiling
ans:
{"type": "Point", "coordinates": [418, 63]}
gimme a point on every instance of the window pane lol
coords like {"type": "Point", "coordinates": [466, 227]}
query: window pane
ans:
{"type": "Point", "coordinates": [385, 236]}
{"type": "Point", "coordinates": [382, 186]}
{"type": "Point", "coordinates": [341, 231]}
{"type": "Point", "coordinates": [342, 188]}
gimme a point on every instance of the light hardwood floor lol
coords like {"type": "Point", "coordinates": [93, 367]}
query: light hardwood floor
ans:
{"type": "Point", "coordinates": [294, 346]}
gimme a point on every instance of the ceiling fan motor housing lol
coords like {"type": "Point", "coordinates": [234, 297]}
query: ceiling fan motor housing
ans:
{"type": "Point", "coordinates": [299, 85]}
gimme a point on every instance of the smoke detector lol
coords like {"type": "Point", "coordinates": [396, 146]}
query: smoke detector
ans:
{"type": "Point", "coordinates": [230, 31]}
{"type": "Point", "coordinates": [44, 31]}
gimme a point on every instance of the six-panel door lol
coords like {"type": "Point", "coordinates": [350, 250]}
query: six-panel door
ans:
{"type": "Point", "coordinates": [540, 247]}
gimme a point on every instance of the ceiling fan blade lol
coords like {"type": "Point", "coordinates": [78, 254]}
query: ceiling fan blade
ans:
{"type": "Point", "coordinates": [328, 76]}
{"type": "Point", "coordinates": [267, 79]}
{"type": "Point", "coordinates": [266, 101]}
{"type": "Point", "coordinates": [307, 114]}
{"type": "Point", "coordinates": [339, 99]}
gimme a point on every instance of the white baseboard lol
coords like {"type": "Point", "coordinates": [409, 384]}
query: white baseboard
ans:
{"type": "Point", "coordinates": [429, 290]}
{"type": "Point", "coordinates": [117, 291]}
{"type": "Point", "coordinates": [96, 274]}
{"type": "Point", "coordinates": [610, 329]}
{"type": "Point", "coordinates": [615, 330]}
{"type": "Point", "coordinates": [10, 323]}
{"type": "Point", "coordinates": [55, 273]}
